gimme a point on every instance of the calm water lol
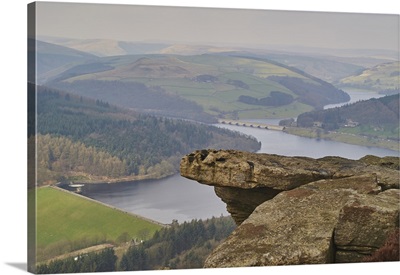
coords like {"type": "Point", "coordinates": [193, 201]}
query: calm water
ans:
{"type": "Point", "coordinates": [161, 200]}
{"type": "Point", "coordinates": [277, 142]}
{"type": "Point", "coordinates": [355, 95]}
{"type": "Point", "coordinates": [182, 199]}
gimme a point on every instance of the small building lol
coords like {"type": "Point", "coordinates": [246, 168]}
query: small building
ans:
{"type": "Point", "coordinates": [351, 124]}
{"type": "Point", "coordinates": [317, 124]}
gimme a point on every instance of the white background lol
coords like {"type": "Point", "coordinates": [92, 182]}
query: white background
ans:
{"type": "Point", "coordinates": [13, 150]}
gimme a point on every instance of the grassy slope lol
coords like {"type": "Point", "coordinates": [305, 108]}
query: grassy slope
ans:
{"type": "Point", "coordinates": [174, 74]}
{"type": "Point", "coordinates": [345, 137]}
{"type": "Point", "coordinates": [377, 123]}
{"type": "Point", "coordinates": [378, 78]}
{"type": "Point", "coordinates": [67, 219]}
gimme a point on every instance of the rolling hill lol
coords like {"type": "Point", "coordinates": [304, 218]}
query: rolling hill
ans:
{"type": "Point", "coordinates": [107, 47]}
{"type": "Point", "coordinates": [67, 222]}
{"type": "Point", "coordinates": [54, 59]}
{"type": "Point", "coordinates": [82, 139]}
{"type": "Point", "coordinates": [324, 68]}
{"type": "Point", "coordinates": [383, 78]}
{"type": "Point", "coordinates": [201, 85]}
{"type": "Point", "coordinates": [327, 64]}
{"type": "Point", "coordinates": [375, 121]}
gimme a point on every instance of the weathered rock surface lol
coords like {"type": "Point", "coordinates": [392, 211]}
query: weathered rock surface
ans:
{"type": "Point", "coordinates": [240, 203]}
{"type": "Point", "coordinates": [307, 211]}
{"type": "Point", "coordinates": [233, 172]}
{"type": "Point", "coordinates": [364, 225]}
{"type": "Point", "coordinates": [249, 170]}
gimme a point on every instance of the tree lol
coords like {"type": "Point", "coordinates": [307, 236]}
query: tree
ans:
{"type": "Point", "coordinates": [134, 259]}
{"type": "Point", "coordinates": [106, 260]}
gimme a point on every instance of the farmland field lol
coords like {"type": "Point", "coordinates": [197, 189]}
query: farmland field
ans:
{"type": "Point", "coordinates": [214, 83]}
{"type": "Point", "coordinates": [66, 222]}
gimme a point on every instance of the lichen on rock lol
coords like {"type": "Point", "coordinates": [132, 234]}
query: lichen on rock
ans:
{"type": "Point", "coordinates": [297, 210]}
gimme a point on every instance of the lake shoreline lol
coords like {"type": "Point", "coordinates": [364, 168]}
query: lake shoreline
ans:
{"type": "Point", "coordinates": [295, 131]}
{"type": "Point", "coordinates": [111, 206]}
{"type": "Point", "coordinates": [344, 138]}
{"type": "Point", "coordinates": [136, 178]}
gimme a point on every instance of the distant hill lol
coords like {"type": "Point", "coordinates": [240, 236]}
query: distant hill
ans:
{"type": "Point", "coordinates": [82, 139]}
{"type": "Point", "coordinates": [55, 59]}
{"type": "Point", "coordinates": [327, 64]}
{"type": "Point", "coordinates": [107, 47]}
{"type": "Point", "coordinates": [327, 68]}
{"type": "Point", "coordinates": [373, 118]}
{"type": "Point", "coordinates": [200, 85]}
{"type": "Point", "coordinates": [324, 68]}
{"type": "Point", "coordinates": [110, 47]}
{"type": "Point", "coordinates": [383, 78]}
{"type": "Point", "coordinates": [184, 49]}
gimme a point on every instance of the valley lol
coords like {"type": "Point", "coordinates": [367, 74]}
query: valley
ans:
{"type": "Point", "coordinates": [196, 86]}
{"type": "Point", "coordinates": [86, 140]}
{"type": "Point", "coordinates": [118, 117]}
{"type": "Point", "coordinates": [212, 83]}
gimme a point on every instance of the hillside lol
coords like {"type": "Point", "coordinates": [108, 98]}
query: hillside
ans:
{"type": "Point", "coordinates": [107, 47]}
{"type": "Point", "coordinates": [179, 246]}
{"type": "Point", "coordinates": [82, 139]}
{"type": "Point", "coordinates": [67, 222]}
{"type": "Point", "coordinates": [383, 78]}
{"type": "Point", "coordinates": [326, 67]}
{"type": "Point", "coordinates": [379, 112]}
{"type": "Point", "coordinates": [376, 119]}
{"type": "Point", "coordinates": [54, 59]}
{"type": "Point", "coordinates": [201, 85]}
{"type": "Point", "coordinates": [184, 49]}
{"type": "Point", "coordinates": [325, 64]}
{"type": "Point", "coordinates": [110, 47]}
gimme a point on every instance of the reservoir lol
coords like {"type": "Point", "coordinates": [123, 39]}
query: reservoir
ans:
{"type": "Point", "coordinates": [178, 198]}
{"type": "Point", "coordinates": [164, 200]}
{"type": "Point", "coordinates": [355, 95]}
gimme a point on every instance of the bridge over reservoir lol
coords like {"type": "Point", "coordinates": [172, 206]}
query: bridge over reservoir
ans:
{"type": "Point", "coordinates": [252, 124]}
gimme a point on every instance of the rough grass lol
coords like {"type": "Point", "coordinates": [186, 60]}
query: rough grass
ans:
{"type": "Point", "coordinates": [217, 98]}
{"type": "Point", "coordinates": [380, 77]}
{"type": "Point", "coordinates": [344, 137]}
{"type": "Point", "coordinates": [66, 222]}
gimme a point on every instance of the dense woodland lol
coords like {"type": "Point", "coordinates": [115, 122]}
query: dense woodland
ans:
{"type": "Point", "coordinates": [382, 112]}
{"type": "Point", "coordinates": [153, 100]}
{"type": "Point", "coordinates": [275, 99]}
{"type": "Point", "coordinates": [103, 261]}
{"type": "Point", "coordinates": [80, 138]}
{"type": "Point", "coordinates": [59, 154]}
{"type": "Point", "coordinates": [179, 246]}
{"type": "Point", "coordinates": [316, 94]}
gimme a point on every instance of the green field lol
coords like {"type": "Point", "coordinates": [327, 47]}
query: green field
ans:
{"type": "Point", "coordinates": [345, 137]}
{"type": "Point", "coordinates": [66, 222]}
{"type": "Point", "coordinates": [379, 78]}
{"type": "Point", "coordinates": [176, 76]}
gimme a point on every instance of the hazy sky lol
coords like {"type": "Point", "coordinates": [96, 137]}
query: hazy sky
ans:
{"type": "Point", "coordinates": [218, 26]}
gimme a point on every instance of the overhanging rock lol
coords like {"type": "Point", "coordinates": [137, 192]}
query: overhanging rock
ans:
{"type": "Point", "coordinates": [244, 180]}
{"type": "Point", "coordinates": [296, 210]}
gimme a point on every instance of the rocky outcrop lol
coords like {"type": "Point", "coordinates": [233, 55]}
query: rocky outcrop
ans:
{"type": "Point", "coordinates": [297, 210]}
{"type": "Point", "coordinates": [364, 224]}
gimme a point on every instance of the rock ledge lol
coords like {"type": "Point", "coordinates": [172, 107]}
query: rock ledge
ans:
{"type": "Point", "coordinates": [297, 210]}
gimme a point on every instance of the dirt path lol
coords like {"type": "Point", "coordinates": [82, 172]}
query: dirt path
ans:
{"type": "Point", "coordinates": [81, 252]}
